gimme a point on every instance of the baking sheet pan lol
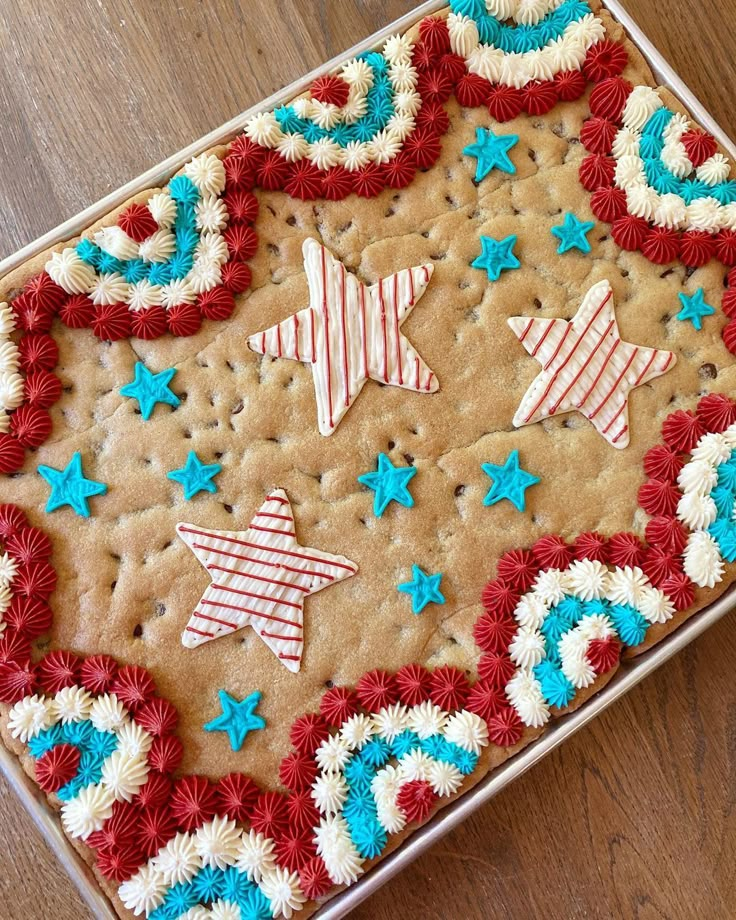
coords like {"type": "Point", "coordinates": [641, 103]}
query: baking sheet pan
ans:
{"type": "Point", "coordinates": [629, 674]}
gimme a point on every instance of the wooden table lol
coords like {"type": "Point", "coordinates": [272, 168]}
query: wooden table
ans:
{"type": "Point", "coordinates": [634, 817]}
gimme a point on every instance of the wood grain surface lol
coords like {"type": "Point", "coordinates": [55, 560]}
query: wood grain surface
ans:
{"type": "Point", "coordinates": [635, 817]}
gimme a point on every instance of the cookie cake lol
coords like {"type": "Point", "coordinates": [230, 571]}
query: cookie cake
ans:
{"type": "Point", "coordinates": [340, 466]}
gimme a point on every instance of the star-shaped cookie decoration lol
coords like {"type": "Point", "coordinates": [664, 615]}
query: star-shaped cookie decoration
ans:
{"type": "Point", "coordinates": [492, 152]}
{"type": "Point", "coordinates": [349, 332]}
{"type": "Point", "coordinates": [573, 234]}
{"type": "Point", "coordinates": [260, 578]}
{"type": "Point", "coordinates": [510, 481]}
{"type": "Point", "coordinates": [694, 308]}
{"type": "Point", "coordinates": [423, 588]}
{"type": "Point", "coordinates": [496, 256]}
{"type": "Point", "coordinates": [390, 483]}
{"type": "Point", "coordinates": [238, 718]}
{"type": "Point", "coordinates": [70, 486]}
{"type": "Point", "coordinates": [150, 389]}
{"type": "Point", "coordinates": [195, 476]}
{"type": "Point", "coordinates": [586, 366]}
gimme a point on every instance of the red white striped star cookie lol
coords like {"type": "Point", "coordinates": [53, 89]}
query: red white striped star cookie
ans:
{"type": "Point", "coordinates": [260, 578]}
{"type": "Point", "coordinates": [586, 366]}
{"type": "Point", "coordinates": [350, 332]}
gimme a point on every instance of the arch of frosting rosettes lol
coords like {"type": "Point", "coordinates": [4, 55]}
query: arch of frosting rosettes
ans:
{"type": "Point", "coordinates": [181, 257]}
{"type": "Point", "coordinates": [375, 759]}
{"type": "Point", "coordinates": [662, 184]}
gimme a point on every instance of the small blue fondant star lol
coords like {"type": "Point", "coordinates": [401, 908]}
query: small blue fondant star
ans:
{"type": "Point", "coordinates": [573, 234]}
{"type": "Point", "coordinates": [695, 308]}
{"type": "Point", "coordinates": [491, 151]}
{"type": "Point", "coordinates": [196, 476]}
{"type": "Point", "coordinates": [69, 487]}
{"type": "Point", "coordinates": [150, 389]}
{"type": "Point", "coordinates": [509, 481]}
{"type": "Point", "coordinates": [424, 589]}
{"type": "Point", "coordinates": [238, 718]}
{"type": "Point", "coordinates": [496, 256]}
{"type": "Point", "coordinates": [390, 483]}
